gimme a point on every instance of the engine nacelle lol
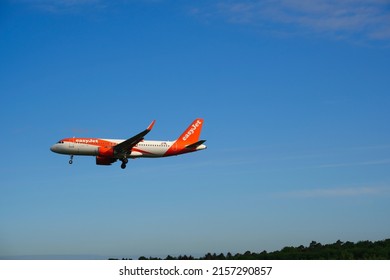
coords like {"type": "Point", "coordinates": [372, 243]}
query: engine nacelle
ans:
{"type": "Point", "coordinates": [104, 160]}
{"type": "Point", "coordinates": [106, 152]}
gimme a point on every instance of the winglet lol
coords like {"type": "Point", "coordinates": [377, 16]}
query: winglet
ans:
{"type": "Point", "coordinates": [151, 125]}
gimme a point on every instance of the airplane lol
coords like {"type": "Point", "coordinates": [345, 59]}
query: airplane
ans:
{"type": "Point", "coordinates": [108, 151]}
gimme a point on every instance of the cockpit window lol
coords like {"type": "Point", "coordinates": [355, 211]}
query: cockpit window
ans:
{"type": "Point", "coordinates": [60, 142]}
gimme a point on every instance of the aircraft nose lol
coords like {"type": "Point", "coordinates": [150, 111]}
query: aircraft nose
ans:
{"type": "Point", "coordinates": [53, 148]}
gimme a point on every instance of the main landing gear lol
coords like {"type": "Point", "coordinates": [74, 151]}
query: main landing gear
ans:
{"type": "Point", "coordinates": [124, 162]}
{"type": "Point", "coordinates": [71, 159]}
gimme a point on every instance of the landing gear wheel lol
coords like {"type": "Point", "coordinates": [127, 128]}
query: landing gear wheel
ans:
{"type": "Point", "coordinates": [124, 162]}
{"type": "Point", "coordinates": [71, 159]}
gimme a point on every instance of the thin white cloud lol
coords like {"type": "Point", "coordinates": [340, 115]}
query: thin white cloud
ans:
{"type": "Point", "coordinates": [350, 164]}
{"type": "Point", "coordinates": [64, 6]}
{"type": "Point", "coordinates": [357, 19]}
{"type": "Point", "coordinates": [339, 192]}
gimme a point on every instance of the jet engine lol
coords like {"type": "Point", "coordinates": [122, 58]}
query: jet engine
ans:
{"type": "Point", "coordinates": [104, 160]}
{"type": "Point", "coordinates": [106, 152]}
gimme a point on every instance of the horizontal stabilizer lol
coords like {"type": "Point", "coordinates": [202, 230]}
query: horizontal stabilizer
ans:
{"type": "Point", "coordinates": [195, 145]}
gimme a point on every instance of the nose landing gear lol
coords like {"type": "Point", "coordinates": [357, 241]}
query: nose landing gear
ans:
{"type": "Point", "coordinates": [71, 159]}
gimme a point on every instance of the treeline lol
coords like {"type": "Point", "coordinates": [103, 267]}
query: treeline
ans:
{"type": "Point", "coordinates": [362, 250]}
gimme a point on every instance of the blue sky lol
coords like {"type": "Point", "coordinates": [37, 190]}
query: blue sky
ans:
{"type": "Point", "coordinates": [295, 98]}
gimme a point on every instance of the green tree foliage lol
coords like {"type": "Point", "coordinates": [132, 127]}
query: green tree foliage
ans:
{"type": "Point", "coordinates": [362, 250]}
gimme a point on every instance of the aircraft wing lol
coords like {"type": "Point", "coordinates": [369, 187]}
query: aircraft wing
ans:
{"type": "Point", "coordinates": [123, 149]}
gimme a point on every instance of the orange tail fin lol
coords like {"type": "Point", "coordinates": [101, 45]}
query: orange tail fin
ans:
{"type": "Point", "coordinates": [191, 134]}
